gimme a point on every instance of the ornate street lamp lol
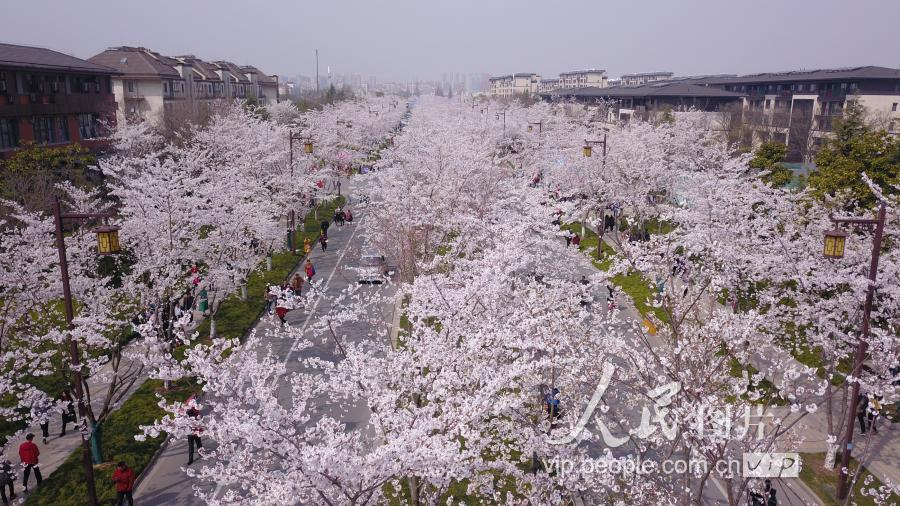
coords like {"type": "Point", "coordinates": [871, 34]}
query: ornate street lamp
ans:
{"type": "Point", "coordinates": [530, 128]}
{"type": "Point", "coordinates": [834, 244]}
{"type": "Point", "coordinates": [107, 239]}
{"type": "Point", "coordinates": [834, 248]}
{"type": "Point", "coordinates": [587, 149]}
{"type": "Point", "coordinates": [107, 243]}
{"type": "Point", "coordinates": [308, 146]}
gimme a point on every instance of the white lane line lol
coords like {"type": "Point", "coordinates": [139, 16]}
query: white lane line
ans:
{"type": "Point", "coordinates": [315, 305]}
{"type": "Point", "coordinates": [312, 310]}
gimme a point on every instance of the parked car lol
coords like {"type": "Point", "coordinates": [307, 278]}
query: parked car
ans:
{"type": "Point", "coordinates": [372, 268]}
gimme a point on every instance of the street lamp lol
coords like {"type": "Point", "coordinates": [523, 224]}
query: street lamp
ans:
{"type": "Point", "coordinates": [587, 149]}
{"type": "Point", "coordinates": [107, 239]}
{"type": "Point", "coordinates": [502, 113]}
{"type": "Point", "coordinates": [540, 125]}
{"type": "Point", "coordinates": [834, 248]}
{"type": "Point", "coordinates": [107, 243]}
{"type": "Point", "coordinates": [834, 244]}
{"type": "Point", "coordinates": [308, 149]}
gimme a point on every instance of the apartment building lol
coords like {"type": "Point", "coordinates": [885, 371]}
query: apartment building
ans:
{"type": "Point", "coordinates": [52, 98]}
{"type": "Point", "coordinates": [583, 78]}
{"type": "Point", "coordinates": [515, 84]}
{"type": "Point", "coordinates": [644, 78]}
{"type": "Point", "coordinates": [626, 102]}
{"type": "Point", "coordinates": [153, 86]}
{"type": "Point", "coordinates": [799, 108]}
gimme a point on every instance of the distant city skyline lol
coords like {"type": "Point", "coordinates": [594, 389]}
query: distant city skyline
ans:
{"type": "Point", "coordinates": [407, 40]}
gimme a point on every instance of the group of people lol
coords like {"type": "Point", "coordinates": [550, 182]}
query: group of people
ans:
{"type": "Point", "coordinates": [342, 216]}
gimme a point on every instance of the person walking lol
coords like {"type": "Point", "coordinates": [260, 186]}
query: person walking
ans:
{"type": "Point", "coordinates": [68, 414]}
{"type": "Point", "coordinates": [307, 246]}
{"type": "Point", "coordinates": [194, 437]}
{"type": "Point", "coordinates": [7, 477]}
{"type": "Point", "coordinates": [310, 270]}
{"type": "Point", "coordinates": [123, 477]}
{"type": "Point", "coordinates": [270, 300]}
{"type": "Point", "coordinates": [29, 453]}
{"type": "Point", "coordinates": [348, 216]}
{"type": "Point", "coordinates": [862, 405]}
{"type": "Point", "coordinates": [281, 310]}
{"type": "Point", "coordinates": [576, 240]}
{"type": "Point", "coordinates": [873, 412]}
{"type": "Point", "coordinates": [324, 226]}
{"type": "Point", "coordinates": [297, 284]}
{"type": "Point", "coordinates": [568, 238]}
{"type": "Point", "coordinates": [324, 242]}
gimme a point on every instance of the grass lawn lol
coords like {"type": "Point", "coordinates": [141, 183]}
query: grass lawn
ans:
{"type": "Point", "coordinates": [824, 483]}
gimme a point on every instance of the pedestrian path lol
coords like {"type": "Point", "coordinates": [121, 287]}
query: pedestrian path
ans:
{"type": "Point", "coordinates": [164, 482]}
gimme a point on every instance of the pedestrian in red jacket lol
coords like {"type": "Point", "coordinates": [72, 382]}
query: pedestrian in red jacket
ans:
{"type": "Point", "coordinates": [28, 452]}
{"type": "Point", "coordinates": [123, 477]}
{"type": "Point", "coordinates": [310, 270]}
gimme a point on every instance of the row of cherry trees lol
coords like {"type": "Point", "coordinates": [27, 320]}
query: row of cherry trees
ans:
{"type": "Point", "coordinates": [498, 319]}
{"type": "Point", "coordinates": [196, 215]}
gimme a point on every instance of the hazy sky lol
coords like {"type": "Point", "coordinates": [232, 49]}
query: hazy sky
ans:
{"type": "Point", "coordinates": [407, 39]}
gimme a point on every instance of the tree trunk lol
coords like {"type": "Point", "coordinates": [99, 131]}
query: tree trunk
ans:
{"type": "Point", "coordinates": [96, 443]}
{"type": "Point", "coordinates": [244, 292]}
{"type": "Point", "coordinates": [269, 262]}
{"type": "Point", "coordinates": [414, 491]}
{"type": "Point", "coordinates": [212, 327]}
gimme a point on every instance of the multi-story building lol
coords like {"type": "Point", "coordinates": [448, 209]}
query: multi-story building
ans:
{"type": "Point", "coordinates": [644, 78]}
{"type": "Point", "coordinates": [181, 88]}
{"type": "Point", "coordinates": [547, 85]}
{"type": "Point", "coordinates": [583, 78]}
{"type": "Point", "coordinates": [52, 98]}
{"type": "Point", "coordinates": [798, 108]}
{"type": "Point", "coordinates": [522, 83]}
{"type": "Point", "coordinates": [625, 102]}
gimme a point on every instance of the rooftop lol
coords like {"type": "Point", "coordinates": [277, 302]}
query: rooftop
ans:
{"type": "Point", "coordinates": [586, 71]}
{"type": "Point", "coordinates": [136, 62]}
{"type": "Point", "coordinates": [46, 59]}
{"type": "Point", "coordinates": [659, 89]}
{"type": "Point", "coordinates": [648, 74]}
{"type": "Point", "coordinates": [864, 72]}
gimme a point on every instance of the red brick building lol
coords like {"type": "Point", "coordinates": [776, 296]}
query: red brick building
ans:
{"type": "Point", "coordinates": [52, 99]}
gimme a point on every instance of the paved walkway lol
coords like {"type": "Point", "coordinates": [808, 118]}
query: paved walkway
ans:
{"type": "Point", "coordinates": [165, 482]}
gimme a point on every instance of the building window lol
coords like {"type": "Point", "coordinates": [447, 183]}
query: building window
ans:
{"type": "Point", "coordinates": [131, 86]}
{"type": "Point", "coordinates": [165, 87]}
{"type": "Point", "coordinates": [88, 126]}
{"type": "Point", "coordinates": [50, 129]}
{"type": "Point", "coordinates": [812, 87]}
{"type": "Point", "coordinates": [768, 103]}
{"type": "Point", "coordinates": [9, 133]}
{"type": "Point", "coordinates": [894, 106]}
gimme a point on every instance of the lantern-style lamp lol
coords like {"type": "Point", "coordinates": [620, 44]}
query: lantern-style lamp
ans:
{"type": "Point", "coordinates": [586, 150]}
{"type": "Point", "coordinates": [307, 146]}
{"type": "Point", "coordinates": [530, 128]}
{"type": "Point", "coordinates": [834, 243]}
{"type": "Point", "coordinates": [107, 239]}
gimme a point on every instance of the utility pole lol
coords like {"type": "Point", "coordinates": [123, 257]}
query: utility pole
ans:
{"type": "Point", "coordinates": [317, 71]}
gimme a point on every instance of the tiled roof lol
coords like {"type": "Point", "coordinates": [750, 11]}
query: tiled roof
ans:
{"type": "Point", "coordinates": [12, 55]}
{"type": "Point", "coordinates": [236, 71]}
{"type": "Point", "coordinates": [576, 72]}
{"type": "Point", "coordinates": [658, 89]}
{"type": "Point", "coordinates": [137, 62]}
{"type": "Point", "coordinates": [261, 76]}
{"type": "Point", "coordinates": [647, 74]}
{"type": "Point", "coordinates": [866, 72]}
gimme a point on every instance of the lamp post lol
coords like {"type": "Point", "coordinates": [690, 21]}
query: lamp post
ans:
{"type": "Point", "coordinates": [107, 243]}
{"type": "Point", "coordinates": [540, 125]}
{"type": "Point", "coordinates": [308, 149]}
{"type": "Point", "coordinates": [587, 149]}
{"type": "Point", "coordinates": [502, 113]}
{"type": "Point", "coordinates": [834, 248]}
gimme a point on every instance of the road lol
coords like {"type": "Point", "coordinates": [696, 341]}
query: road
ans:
{"type": "Point", "coordinates": [165, 482]}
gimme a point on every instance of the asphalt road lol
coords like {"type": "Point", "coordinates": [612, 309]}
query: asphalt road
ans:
{"type": "Point", "coordinates": [165, 483]}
